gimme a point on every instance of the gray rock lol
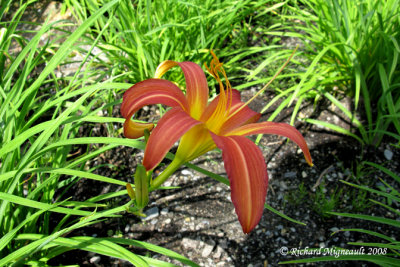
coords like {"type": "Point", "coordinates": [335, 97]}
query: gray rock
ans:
{"type": "Point", "coordinates": [290, 174]}
{"type": "Point", "coordinates": [282, 185]}
{"type": "Point", "coordinates": [207, 250]}
{"type": "Point", "coordinates": [186, 172]}
{"type": "Point", "coordinates": [151, 214]}
{"type": "Point", "coordinates": [164, 211]}
{"type": "Point", "coordinates": [334, 229]}
{"type": "Point", "coordinates": [388, 154]}
{"type": "Point", "coordinates": [218, 253]}
{"type": "Point", "coordinates": [223, 244]}
{"type": "Point", "coordinates": [189, 243]}
{"type": "Point", "coordinates": [95, 259]}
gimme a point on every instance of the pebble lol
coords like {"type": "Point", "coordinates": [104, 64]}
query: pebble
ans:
{"type": "Point", "coordinates": [282, 185]}
{"type": "Point", "coordinates": [303, 174]}
{"type": "Point", "coordinates": [186, 173]}
{"type": "Point", "coordinates": [168, 221]}
{"type": "Point", "coordinates": [151, 214]}
{"type": "Point", "coordinates": [95, 259]}
{"type": "Point", "coordinates": [164, 211]}
{"type": "Point", "coordinates": [388, 154]}
{"type": "Point", "coordinates": [334, 229]}
{"type": "Point", "coordinates": [347, 234]}
{"type": "Point", "coordinates": [189, 243]}
{"type": "Point", "coordinates": [223, 244]}
{"type": "Point", "coordinates": [127, 228]}
{"type": "Point", "coordinates": [290, 174]}
{"type": "Point", "coordinates": [218, 253]}
{"type": "Point", "coordinates": [207, 250]}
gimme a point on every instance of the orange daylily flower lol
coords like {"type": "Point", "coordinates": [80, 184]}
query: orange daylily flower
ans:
{"type": "Point", "coordinates": [201, 126]}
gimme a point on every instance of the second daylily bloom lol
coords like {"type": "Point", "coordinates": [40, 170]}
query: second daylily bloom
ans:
{"type": "Point", "coordinates": [201, 126]}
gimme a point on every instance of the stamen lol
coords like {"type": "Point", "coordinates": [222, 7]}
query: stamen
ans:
{"type": "Point", "coordinates": [266, 86]}
{"type": "Point", "coordinates": [223, 107]}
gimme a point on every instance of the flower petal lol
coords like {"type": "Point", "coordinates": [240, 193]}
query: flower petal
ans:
{"type": "Point", "coordinates": [135, 130]}
{"type": "Point", "coordinates": [152, 91]}
{"type": "Point", "coordinates": [244, 116]}
{"type": "Point", "coordinates": [283, 129]}
{"type": "Point", "coordinates": [247, 173]}
{"type": "Point", "coordinates": [196, 84]}
{"type": "Point", "coordinates": [169, 129]}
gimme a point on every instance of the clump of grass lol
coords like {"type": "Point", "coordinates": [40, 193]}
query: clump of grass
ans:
{"type": "Point", "coordinates": [144, 33]}
{"type": "Point", "coordinates": [348, 48]}
{"type": "Point", "coordinates": [40, 118]}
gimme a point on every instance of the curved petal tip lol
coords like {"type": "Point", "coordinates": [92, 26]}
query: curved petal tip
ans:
{"type": "Point", "coordinates": [134, 130]}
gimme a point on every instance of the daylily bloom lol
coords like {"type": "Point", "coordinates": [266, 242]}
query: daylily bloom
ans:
{"type": "Point", "coordinates": [201, 126]}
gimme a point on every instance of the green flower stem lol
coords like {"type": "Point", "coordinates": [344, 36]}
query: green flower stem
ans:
{"type": "Point", "coordinates": [159, 180]}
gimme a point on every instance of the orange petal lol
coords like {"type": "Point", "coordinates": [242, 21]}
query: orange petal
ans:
{"type": "Point", "coordinates": [283, 129]}
{"type": "Point", "coordinates": [152, 91]}
{"type": "Point", "coordinates": [169, 129]}
{"type": "Point", "coordinates": [244, 116]}
{"type": "Point", "coordinates": [247, 173]}
{"type": "Point", "coordinates": [196, 84]}
{"type": "Point", "coordinates": [135, 130]}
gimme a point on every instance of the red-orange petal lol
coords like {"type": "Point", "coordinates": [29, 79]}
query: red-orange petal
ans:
{"type": "Point", "coordinates": [283, 129]}
{"type": "Point", "coordinates": [169, 129]}
{"type": "Point", "coordinates": [196, 88]}
{"type": "Point", "coordinates": [135, 130]}
{"type": "Point", "coordinates": [196, 84]}
{"type": "Point", "coordinates": [152, 91]}
{"type": "Point", "coordinates": [247, 173]}
{"type": "Point", "coordinates": [244, 116]}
